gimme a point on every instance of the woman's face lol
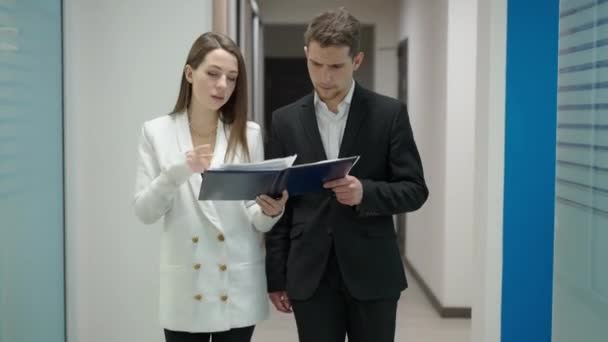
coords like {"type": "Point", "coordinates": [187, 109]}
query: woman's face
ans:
{"type": "Point", "coordinates": [214, 81]}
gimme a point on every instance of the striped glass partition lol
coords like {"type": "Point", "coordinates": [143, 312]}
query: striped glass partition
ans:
{"type": "Point", "coordinates": [31, 172]}
{"type": "Point", "coordinates": [580, 300]}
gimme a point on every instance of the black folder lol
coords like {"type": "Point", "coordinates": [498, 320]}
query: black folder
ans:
{"type": "Point", "coordinates": [237, 185]}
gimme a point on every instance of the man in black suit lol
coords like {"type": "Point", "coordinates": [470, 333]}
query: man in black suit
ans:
{"type": "Point", "coordinates": [333, 256]}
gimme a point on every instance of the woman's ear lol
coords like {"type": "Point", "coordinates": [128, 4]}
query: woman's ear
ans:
{"type": "Point", "coordinates": [188, 73]}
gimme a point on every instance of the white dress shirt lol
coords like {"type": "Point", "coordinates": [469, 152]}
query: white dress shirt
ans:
{"type": "Point", "coordinates": [332, 125]}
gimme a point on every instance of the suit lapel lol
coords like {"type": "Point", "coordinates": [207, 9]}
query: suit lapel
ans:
{"type": "Point", "coordinates": [308, 119]}
{"type": "Point", "coordinates": [356, 117]}
{"type": "Point", "coordinates": [184, 138]}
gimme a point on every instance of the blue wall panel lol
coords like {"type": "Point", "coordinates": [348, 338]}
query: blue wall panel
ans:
{"type": "Point", "coordinates": [531, 100]}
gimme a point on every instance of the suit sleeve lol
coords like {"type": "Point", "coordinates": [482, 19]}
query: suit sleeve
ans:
{"type": "Point", "coordinates": [277, 239]}
{"type": "Point", "coordinates": [405, 189]}
{"type": "Point", "coordinates": [155, 187]}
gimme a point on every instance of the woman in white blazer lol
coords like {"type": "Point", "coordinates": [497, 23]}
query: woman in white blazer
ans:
{"type": "Point", "coordinates": [212, 277]}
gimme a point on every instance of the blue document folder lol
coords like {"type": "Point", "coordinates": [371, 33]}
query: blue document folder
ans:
{"type": "Point", "coordinates": [236, 185]}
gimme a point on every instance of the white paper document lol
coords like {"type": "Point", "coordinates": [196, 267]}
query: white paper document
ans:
{"type": "Point", "coordinates": [271, 164]}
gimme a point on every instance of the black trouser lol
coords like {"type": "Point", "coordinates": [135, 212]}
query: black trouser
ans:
{"type": "Point", "coordinates": [332, 313]}
{"type": "Point", "coordinates": [233, 335]}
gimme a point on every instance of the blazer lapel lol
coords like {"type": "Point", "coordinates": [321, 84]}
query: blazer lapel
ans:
{"type": "Point", "coordinates": [182, 132]}
{"type": "Point", "coordinates": [184, 138]}
{"type": "Point", "coordinates": [209, 207]}
{"type": "Point", "coordinates": [356, 117]}
{"type": "Point", "coordinates": [308, 119]}
{"type": "Point", "coordinates": [221, 144]}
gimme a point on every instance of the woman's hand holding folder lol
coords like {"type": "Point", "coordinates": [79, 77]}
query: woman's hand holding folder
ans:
{"type": "Point", "coordinates": [270, 206]}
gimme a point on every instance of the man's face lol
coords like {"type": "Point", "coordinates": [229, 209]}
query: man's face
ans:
{"type": "Point", "coordinates": [331, 70]}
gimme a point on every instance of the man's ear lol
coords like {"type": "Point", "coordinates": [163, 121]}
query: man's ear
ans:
{"type": "Point", "coordinates": [188, 73]}
{"type": "Point", "coordinates": [357, 60]}
{"type": "Point", "coordinates": [306, 51]}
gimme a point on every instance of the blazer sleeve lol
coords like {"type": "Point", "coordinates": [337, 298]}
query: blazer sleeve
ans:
{"type": "Point", "coordinates": [277, 239]}
{"type": "Point", "coordinates": [261, 221]}
{"type": "Point", "coordinates": [405, 189]}
{"type": "Point", "coordinates": [155, 187]}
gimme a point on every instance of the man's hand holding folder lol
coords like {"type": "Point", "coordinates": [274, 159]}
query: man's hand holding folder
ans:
{"type": "Point", "coordinates": [348, 190]}
{"type": "Point", "coordinates": [237, 182]}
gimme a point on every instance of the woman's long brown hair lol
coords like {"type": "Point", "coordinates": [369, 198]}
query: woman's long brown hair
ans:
{"type": "Point", "coordinates": [234, 112]}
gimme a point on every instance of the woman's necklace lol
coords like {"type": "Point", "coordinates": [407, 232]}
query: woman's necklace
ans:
{"type": "Point", "coordinates": [204, 135]}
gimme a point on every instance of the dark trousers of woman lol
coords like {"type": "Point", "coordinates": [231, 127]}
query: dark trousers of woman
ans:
{"type": "Point", "coordinates": [233, 335]}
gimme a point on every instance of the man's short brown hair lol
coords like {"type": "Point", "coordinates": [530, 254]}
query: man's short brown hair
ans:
{"type": "Point", "coordinates": [335, 28]}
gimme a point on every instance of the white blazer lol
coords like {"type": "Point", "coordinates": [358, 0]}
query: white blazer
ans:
{"type": "Point", "coordinates": [212, 275]}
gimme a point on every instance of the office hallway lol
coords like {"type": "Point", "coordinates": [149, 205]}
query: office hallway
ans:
{"type": "Point", "coordinates": [417, 321]}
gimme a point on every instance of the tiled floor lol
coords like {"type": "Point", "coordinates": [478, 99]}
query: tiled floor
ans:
{"type": "Point", "coordinates": [417, 321]}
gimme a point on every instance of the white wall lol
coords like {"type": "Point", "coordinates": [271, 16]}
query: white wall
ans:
{"type": "Point", "coordinates": [384, 16]}
{"type": "Point", "coordinates": [123, 62]}
{"type": "Point", "coordinates": [461, 132]}
{"type": "Point", "coordinates": [489, 166]}
{"type": "Point", "coordinates": [460, 152]}
{"type": "Point", "coordinates": [442, 41]}
{"type": "Point", "coordinates": [424, 24]}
